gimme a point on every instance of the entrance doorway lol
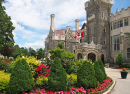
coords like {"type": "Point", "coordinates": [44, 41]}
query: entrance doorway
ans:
{"type": "Point", "coordinates": [92, 57]}
{"type": "Point", "coordinates": [79, 56]}
{"type": "Point", "coordinates": [102, 58]}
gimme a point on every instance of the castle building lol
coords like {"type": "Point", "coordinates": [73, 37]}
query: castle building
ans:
{"type": "Point", "coordinates": [105, 34]}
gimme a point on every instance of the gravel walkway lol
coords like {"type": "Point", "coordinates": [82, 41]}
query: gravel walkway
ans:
{"type": "Point", "coordinates": [122, 85]}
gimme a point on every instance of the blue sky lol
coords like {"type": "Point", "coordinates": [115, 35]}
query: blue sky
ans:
{"type": "Point", "coordinates": [31, 18]}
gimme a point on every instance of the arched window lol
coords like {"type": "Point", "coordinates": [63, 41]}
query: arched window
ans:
{"type": "Point", "coordinates": [92, 57]}
{"type": "Point", "coordinates": [102, 58]}
{"type": "Point", "coordinates": [79, 56]}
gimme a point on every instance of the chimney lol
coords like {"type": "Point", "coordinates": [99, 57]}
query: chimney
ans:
{"type": "Point", "coordinates": [52, 27]}
{"type": "Point", "coordinates": [77, 24]}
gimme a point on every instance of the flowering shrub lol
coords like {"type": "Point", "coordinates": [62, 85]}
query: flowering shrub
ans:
{"type": "Point", "coordinates": [72, 91]}
{"type": "Point", "coordinates": [100, 87]}
{"type": "Point", "coordinates": [6, 65]}
{"type": "Point", "coordinates": [123, 70]}
{"type": "Point", "coordinates": [81, 90]}
{"type": "Point", "coordinates": [42, 70]}
{"type": "Point", "coordinates": [118, 68]}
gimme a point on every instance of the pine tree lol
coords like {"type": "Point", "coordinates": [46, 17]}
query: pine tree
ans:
{"type": "Point", "coordinates": [21, 79]}
{"type": "Point", "coordinates": [57, 79]}
{"type": "Point", "coordinates": [102, 69]}
{"type": "Point", "coordinates": [98, 72]}
{"type": "Point", "coordinates": [119, 59]}
{"type": "Point", "coordinates": [86, 76]}
{"type": "Point", "coordinates": [6, 28]}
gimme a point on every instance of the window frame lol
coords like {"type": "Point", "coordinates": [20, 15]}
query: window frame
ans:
{"type": "Point", "coordinates": [128, 52]}
{"type": "Point", "coordinates": [116, 43]}
{"type": "Point", "coordinates": [126, 22]}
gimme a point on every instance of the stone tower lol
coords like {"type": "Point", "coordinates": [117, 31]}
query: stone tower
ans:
{"type": "Point", "coordinates": [98, 19]}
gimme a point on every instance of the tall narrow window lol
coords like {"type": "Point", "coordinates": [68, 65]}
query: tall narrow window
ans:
{"type": "Point", "coordinates": [121, 23]}
{"type": "Point", "coordinates": [118, 24]}
{"type": "Point", "coordinates": [126, 22]}
{"type": "Point", "coordinates": [105, 41]}
{"type": "Point", "coordinates": [102, 14]}
{"type": "Point", "coordinates": [115, 25]}
{"type": "Point", "coordinates": [116, 43]}
{"type": "Point", "coordinates": [128, 52]}
{"type": "Point", "coordinates": [104, 31]}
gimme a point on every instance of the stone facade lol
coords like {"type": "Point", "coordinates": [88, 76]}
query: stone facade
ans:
{"type": "Point", "coordinates": [65, 36]}
{"type": "Point", "coordinates": [99, 34]}
{"type": "Point", "coordinates": [120, 41]}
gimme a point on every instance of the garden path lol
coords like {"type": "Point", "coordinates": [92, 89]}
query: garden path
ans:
{"type": "Point", "coordinates": [122, 85]}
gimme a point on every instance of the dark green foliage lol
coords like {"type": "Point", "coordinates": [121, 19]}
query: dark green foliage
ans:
{"type": "Point", "coordinates": [86, 76]}
{"type": "Point", "coordinates": [57, 79]}
{"type": "Point", "coordinates": [119, 59]}
{"type": "Point", "coordinates": [98, 72]}
{"type": "Point", "coordinates": [21, 79]}
{"type": "Point", "coordinates": [102, 69]}
{"type": "Point", "coordinates": [6, 50]}
{"type": "Point", "coordinates": [40, 53]}
{"type": "Point", "coordinates": [60, 45]}
{"type": "Point", "coordinates": [57, 52]}
{"type": "Point", "coordinates": [48, 62]}
{"type": "Point", "coordinates": [6, 28]}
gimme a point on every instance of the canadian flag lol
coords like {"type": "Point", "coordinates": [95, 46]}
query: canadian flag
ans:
{"type": "Point", "coordinates": [79, 35]}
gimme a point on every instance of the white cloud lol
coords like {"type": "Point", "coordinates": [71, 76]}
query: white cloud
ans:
{"type": "Point", "coordinates": [34, 45]}
{"type": "Point", "coordinates": [35, 14]}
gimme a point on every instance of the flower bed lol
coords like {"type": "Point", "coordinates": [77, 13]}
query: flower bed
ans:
{"type": "Point", "coordinates": [99, 89]}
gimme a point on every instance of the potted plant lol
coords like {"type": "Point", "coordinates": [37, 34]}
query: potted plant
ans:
{"type": "Point", "coordinates": [124, 73]}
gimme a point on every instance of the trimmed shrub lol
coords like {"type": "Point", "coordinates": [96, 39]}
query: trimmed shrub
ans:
{"type": "Point", "coordinates": [86, 76]}
{"type": "Point", "coordinates": [102, 69]}
{"type": "Point", "coordinates": [57, 79]}
{"type": "Point", "coordinates": [21, 79]}
{"type": "Point", "coordinates": [4, 80]}
{"type": "Point", "coordinates": [98, 72]}
{"type": "Point", "coordinates": [32, 62]}
{"type": "Point", "coordinates": [119, 59]}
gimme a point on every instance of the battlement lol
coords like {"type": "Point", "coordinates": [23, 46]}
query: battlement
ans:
{"type": "Point", "coordinates": [91, 2]}
{"type": "Point", "coordinates": [120, 14]}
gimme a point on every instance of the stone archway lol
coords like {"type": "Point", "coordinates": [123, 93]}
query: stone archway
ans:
{"type": "Point", "coordinates": [102, 58]}
{"type": "Point", "coordinates": [79, 56]}
{"type": "Point", "coordinates": [92, 57]}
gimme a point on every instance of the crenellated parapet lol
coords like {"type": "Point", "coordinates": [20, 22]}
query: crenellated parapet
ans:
{"type": "Point", "coordinates": [120, 14]}
{"type": "Point", "coordinates": [91, 2]}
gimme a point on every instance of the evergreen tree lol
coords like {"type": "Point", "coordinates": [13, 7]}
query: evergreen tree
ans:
{"type": "Point", "coordinates": [57, 79]}
{"type": "Point", "coordinates": [86, 76]}
{"type": "Point", "coordinates": [98, 72]}
{"type": "Point", "coordinates": [6, 28]}
{"type": "Point", "coordinates": [102, 69]}
{"type": "Point", "coordinates": [21, 79]}
{"type": "Point", "coordinates": [119, 59]}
